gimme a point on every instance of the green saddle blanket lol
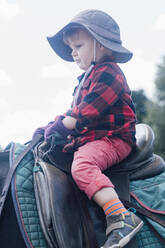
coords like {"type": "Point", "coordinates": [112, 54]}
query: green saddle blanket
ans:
{"type": "Point", "coordinates": [150, 194]}
{"type": "Point", "coordinates": [25, 202]}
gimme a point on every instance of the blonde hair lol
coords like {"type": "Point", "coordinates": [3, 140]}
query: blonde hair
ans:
{"type": "Point", "coordinates": [72, 31]}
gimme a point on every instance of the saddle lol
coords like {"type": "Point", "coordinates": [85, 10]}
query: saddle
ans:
{"type": "Point", "coordinates": [55, 189]}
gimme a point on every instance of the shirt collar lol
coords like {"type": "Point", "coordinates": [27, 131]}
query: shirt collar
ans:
{"type": "Point", "coordinates": [104, 59]}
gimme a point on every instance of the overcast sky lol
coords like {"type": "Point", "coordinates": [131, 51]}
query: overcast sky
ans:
{"type": "Point", "coordinates": [36, 85]}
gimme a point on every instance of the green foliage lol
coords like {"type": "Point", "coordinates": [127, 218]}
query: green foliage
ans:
{"type": "Point", "coordinates": [140, 101]}
{"type": "Point", "coordinates": [156, 111]}
{"type": "Point", "coordinates": [153, 113]}
{"type": "Point", "coordinates": [156, 119]}
{"type": "Point", "coordinates": [160, 82]}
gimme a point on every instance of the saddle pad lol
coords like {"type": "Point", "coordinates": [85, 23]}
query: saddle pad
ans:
{"type": "Point", "coordinates": [25, 203]}
{"type": "Point", "coordinates": [146, 238]}
{"type": "Point", "coordinates": [150, 194]}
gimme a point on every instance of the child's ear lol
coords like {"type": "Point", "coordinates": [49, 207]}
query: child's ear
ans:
{"type": "Point", "coordinates": [100, 46]}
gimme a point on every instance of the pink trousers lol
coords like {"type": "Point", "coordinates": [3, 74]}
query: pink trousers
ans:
{"type": "Point", "coordinates": [93, 158]}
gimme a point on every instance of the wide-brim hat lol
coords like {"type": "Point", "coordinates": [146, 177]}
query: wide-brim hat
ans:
{"type": "Point", "coordinates": [101, 26]}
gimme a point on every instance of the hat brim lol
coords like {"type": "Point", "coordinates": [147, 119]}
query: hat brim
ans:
{"type": "Point", "coordinates": [120, 53]}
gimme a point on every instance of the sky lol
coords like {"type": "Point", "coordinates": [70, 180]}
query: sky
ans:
{"type": "Point", "coordinates": [36, 85]}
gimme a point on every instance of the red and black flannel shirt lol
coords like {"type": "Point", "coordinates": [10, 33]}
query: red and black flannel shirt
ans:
{"type": "Point", "coordinates": [104, 107]}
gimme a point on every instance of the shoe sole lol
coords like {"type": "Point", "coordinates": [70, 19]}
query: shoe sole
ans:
{"type": "Point", "coordinates": [127, 238]}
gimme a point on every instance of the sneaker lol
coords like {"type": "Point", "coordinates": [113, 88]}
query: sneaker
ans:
{"type": "Point", "coordinates": [121, 229]}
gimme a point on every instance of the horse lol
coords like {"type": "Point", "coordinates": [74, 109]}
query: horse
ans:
{"type": "Point", "coordinates": [51, 185]}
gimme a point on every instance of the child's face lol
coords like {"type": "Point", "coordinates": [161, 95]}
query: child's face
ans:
{"type": "Point", "coordinates": [82, 45]}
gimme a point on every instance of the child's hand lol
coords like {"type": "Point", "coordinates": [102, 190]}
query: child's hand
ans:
{"type": "Point", "coordinates": [41, 130]}
{"type": "Point", "coordinates": [38, 131]}
{"type": "Point", "coordinates": [57, 127]}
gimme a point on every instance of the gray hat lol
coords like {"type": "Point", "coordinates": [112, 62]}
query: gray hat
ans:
{"type": "Point", "coordinates": [101, 26]}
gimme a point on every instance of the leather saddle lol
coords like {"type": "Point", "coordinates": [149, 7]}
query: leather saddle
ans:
{"type": "Point", "coordinates": [142, 162]}
{"type": "Point", "coordinates": [67, 217]}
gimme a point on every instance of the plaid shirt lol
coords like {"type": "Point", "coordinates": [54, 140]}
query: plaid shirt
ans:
{"type": "Point", "coordinates": [103, 107]}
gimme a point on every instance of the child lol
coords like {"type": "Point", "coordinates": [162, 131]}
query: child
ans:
{"type": "Point", "coordinates": [100, 126]}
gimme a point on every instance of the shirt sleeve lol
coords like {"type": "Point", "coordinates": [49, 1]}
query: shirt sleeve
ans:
{"type": "Point", "coordinates": [105, 89]}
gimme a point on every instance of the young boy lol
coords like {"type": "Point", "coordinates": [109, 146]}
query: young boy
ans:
{"type": "Point", "coordinates": [100, 126]}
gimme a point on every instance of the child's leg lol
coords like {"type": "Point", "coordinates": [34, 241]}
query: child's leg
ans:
{"type": "Point", "coordinates": [93, 158]}
{"type": "Point", "coordinates": [89, 162]}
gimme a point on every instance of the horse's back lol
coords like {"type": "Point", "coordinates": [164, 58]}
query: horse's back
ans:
{"type": "Point", "coordinates": [10, 235]}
